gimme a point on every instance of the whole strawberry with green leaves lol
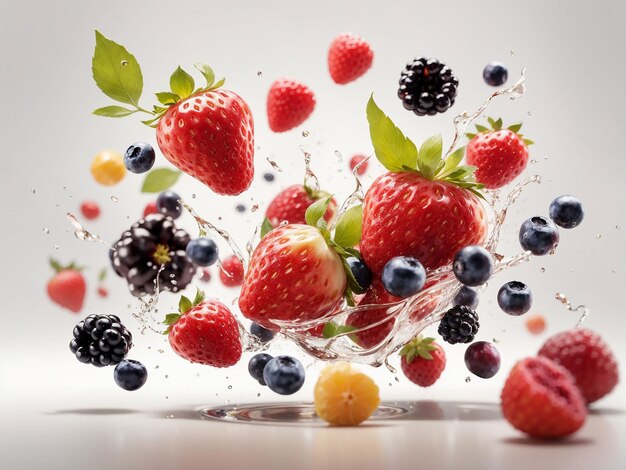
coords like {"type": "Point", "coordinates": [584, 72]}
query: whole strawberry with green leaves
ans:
{"type": "Point", "coordinates": [422, 361]}
{"type": "Point", "coordinates": [499, 155]}
{"type": "Point", "coordinates": [425, 207]}
{"type": "Point", "coordinates": [291, 203]}
{"type": "Point", "coordinates": [299, 272]}
{"type": "Point", "coordinates": [204, 331]}
{"type": "Point", "coordinates": [206, 132]}
{"type": "Point", "coordinates": [67, 288]}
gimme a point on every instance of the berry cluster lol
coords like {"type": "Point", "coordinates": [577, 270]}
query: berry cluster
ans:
{"type": "Point", "coordinates": [101, 340]}
{"type": "Point", "coordinates": [427, 87]}
{"type": "Point", "coordinates": [459, 325]}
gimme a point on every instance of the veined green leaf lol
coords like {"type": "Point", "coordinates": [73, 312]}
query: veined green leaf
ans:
{"type": "Point", "coordinates": [159, 180]}
{"type": "Point", "coordinates": [165, 97]}
{"type": "Point", "coordinates": [430, 156]}
{"type": "Point", "coordinates": [348, 229]}
{"type": "Point", "coordinates": [114, 111]}
{"type": "Point", "coordinates": [453, 160]}
{"type": "Point", "coordinates": [207, 72]}
{"type": "Point", "coordinates": [182, 83]}
{"type": "Point", "coordinates": [316, 211]}
{"type": "Point", "coordinates": [393, 149]}
{"type": "Point", "coordinates": [116, 71]}
{"type": "Point", "coordinates": [171, 318]}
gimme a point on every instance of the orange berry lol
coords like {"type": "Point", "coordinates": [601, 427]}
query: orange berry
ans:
{"type": "Point", "coordinates": [344, 396]}
{"type": "Point", "coordinates": [536, 324]}
{"type": "Point", "coordinates": [107, 168]}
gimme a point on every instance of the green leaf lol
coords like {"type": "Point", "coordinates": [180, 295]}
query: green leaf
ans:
{"type": "Point", "coordinates": [470, 136]}
{"type": "Point", "coordinates": [316, 211]}
{"type": "Point", "coordinates": [393, 149]}
{"type": "Point", "coordinates": [332, 329]}
{"type": "Point", "coordinates": [430, 156]}
{"type": "Point", "coordinates": [114, 111]}
{"type": "Point", "coordinates": [207, 72]}
{"type": "Point", "coordinates": [165, 97]}
{"type": "Point", "coordinates": [353, 285]}
{"type": "Point", "coordinates": [199, 298]}
{"type": "Point", "coordinates": [184, 305]}
{"type": "Point", "coordinates": [159, 180]}
{"type": "Point", "coordinates": [56, 265]}
{"type": "Point", "coordinates": [481, 129]}
{"type": "Point", "coordinates": [497, 125]}
{"type": "Point", "coordinates": [266, 227]}
{"type": "Point", "coordinates": [103, 274]}
{"type": "Point", "coordinates": [452, 161]}
{"type": "Point", "coordinates": [515, 127]}
{"type": "Point", "coordinates": [348, 229]}
{"type": "Point", "coordinates": [528, 141]}
{"type": "Point", "coordinates": [171, 318]}
{"type": "Point", "coordinates": [116, 71]}
{"type": "Point", "coordinates": [181, 83]}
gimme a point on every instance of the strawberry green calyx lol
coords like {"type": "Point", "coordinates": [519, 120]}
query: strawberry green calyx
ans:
{"type": "Point", "coordinates": [418, 347]}
{"type": "Point", "coordinates": [184, 305]}
{"type": "Point", "coordinates": [496, 125]}
{"type": "Point", "coordinates": [118, 75]}
{"type": "Point", "coordinates": [58, 267]}
{"type": "Point", "coordinates": [398, 153]}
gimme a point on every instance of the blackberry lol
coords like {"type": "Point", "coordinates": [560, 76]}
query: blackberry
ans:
{"type": "Point", "coordinates": [153, 246]}
{"type": "Point", "coordinates": [101, 340]}
{"type": "Point", "coordinates": [427, 87]}
{"type": "Point", "coordinates": [459, 325]}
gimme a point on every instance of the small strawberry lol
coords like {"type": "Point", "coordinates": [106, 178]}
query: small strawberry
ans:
{"type": "Point", "coordinates": [356, 160]}
{"type": "Point", "coordinates": [67, 287]}
{"type": "Point", "coordinates": [499, 155]}
{"type": "Point", "coordinates": [588, 358]}
{"type": "Point", "coordinates": [90, 210]}
{"type": "Point", "coordinates": [540, 399]}
{"type": "Point", "coordinates": [291, 204]}
{"type": "Point", "coordinates": [422, 361]}
{"type": "Point", "coordinates": [425, 207]}
{"type": "Point", "coordinates": [205, 332]}
{"type": "Point", "coordinates": [349, 57]}
{"type": "Point", "coordinates": [207, 132]}
{"type": "Point", "coordinates": [231, 273]}
{"type": "Point", "coordinates": [289, 104]}
{"type": "Point", "coordinates": [298, 272]}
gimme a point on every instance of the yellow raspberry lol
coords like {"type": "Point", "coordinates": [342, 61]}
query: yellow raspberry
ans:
{"type": "Point", "coordinates": [344, 396]}
{"type": "Point", "coordinates": [108, 168]}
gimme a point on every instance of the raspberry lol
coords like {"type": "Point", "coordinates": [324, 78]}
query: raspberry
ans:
{"type": "Point", "coordinates": [101, 340]}
{"type": "Point", "coordinates": [459, 325]}
{"type": "Point", "coordinates": [540, 399]}
{"type": "Point", "coordinates": [427, 87]}
{"type": "Point", "coordinates": [590, 361]}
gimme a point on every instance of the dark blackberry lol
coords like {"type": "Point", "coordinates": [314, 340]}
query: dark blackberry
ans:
{"type": "Point", "coordinates": [101, 340]}
{"type": "Point", "coordinates": [152, 243]}
{"type": "Point", "coordinates": [427, 87]}
{"type": "Point", "coordinates": [459, 325]}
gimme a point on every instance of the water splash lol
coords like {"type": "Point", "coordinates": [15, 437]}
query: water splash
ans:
{"type": "Point", "coordinates": [274, 165]}
{"type": "Point", "coordinates": [81, 232]}
{"type": "Point", "coordinates": [579, 308]}
{"type": "Point", "coordinates": [310, 179]}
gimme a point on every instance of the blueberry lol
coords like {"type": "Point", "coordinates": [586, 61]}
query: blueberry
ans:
{"type": "Point", "coordinates": [284, 375]}
{"type": "Point", "coordinates": [360, 271]}
{"type": "Point", "coordinates": [240, 208]}
{"type": "Point", "coordinates": [202, 251]}
{"type": "Point", "coordinates": [473, 265]}
{"type": "Point", "coordinates": [167, 203]}
{"type": "Point", "coordinates": [467, 296]}
{"type": "Point", "coordinates": [269, 177]}
{"type": "Point", "coordinates": [263, 334]}
{"type": "Point", "coordinates": [567, 211]}
{"type": "Point", "coordinates": [515, 298]}
{"type": "Point", "coordinates": [495, 74]}
{"type": "Point", "coordinates": [539, 236]}
{"type": "Point", "coordinates": [403, 276]}
{"type": "Point", "coordinates": [256, 366]}
{"type": "Point", "coordinates": [130, 375]}
{"type": "Point", "coordinates": [139, 157]}
{"type": "Point", "coordinates": [482, 359]}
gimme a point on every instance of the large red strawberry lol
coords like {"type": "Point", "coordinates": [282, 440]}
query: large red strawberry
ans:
{"type": "Point", "coordinates": [207, 132]}
{"type": "Point", "coordinates": [67, 287]}
{"type": "Point", "coordinates": [588, 358]}
{"type": "Point", "coordinates": [499, 155]}
{"type": "Point", "coordinates": [425, 207]}
{"type": "Point", "coordinates": [289, 104]}
{"type": "Point", "coordinates": [291, 204]}
{"type": "Point", "coordinates": [298, 272]}
{"type": "Point", "coordinates": [205, 332]}
{"type": "Point", "coordinates": [422, 361]}
{"type": "Point", "coordinates": [349, 57]}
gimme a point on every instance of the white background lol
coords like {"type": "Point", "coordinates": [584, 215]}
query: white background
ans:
{"type": "Point", "coordinates": [573, 110]}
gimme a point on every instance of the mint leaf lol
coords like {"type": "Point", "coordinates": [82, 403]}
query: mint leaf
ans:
{"type": "Point", "coordinates": [348, 229]}
{"type": "Point", "coordinates": [393, 149]}
{"type": "Point", "coordinates": [430, 156]}
{"type": "Point", "coordinates": [207, 72]}
{"type": "Point", "coordinates": [184, 305]}
{"type": "Point", "coordinates": [266, 227]}
{"type": "Point", "coordinates": [159, 180]}
{"type": "Point", "coordinates": [166, 98]}
{"type": "Point", "coordinates": [116, 71]}
{"type": "Point", "coordinates": [316, 211]}
{"type": "Point", "coordinates": [114, 111]}
{"type": "Point", "coordinates": [182, 83]}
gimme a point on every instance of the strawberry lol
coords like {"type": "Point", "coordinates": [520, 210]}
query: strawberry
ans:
{"type": "Point", "coordinates": [90, 210]}
{"type": "Point", "coordinates": [422, 361]}
{"type": "Point", "coordinates": [356, 160]}
{"type": "Point", "coordinates": [349, 57]}
{"type": "Point", "coordinates": [425, 207]}
{"type": "Point", "coordinates": [590, 361]}
{"type": "Point", "coordinates": [375, 295]}
{"type": "Point", "coordinates": [298, 272]}
{"type": "Point", "coordinates": [540, 399]}
{"type": "Point", "coordinates": [207, 132]}
{"type": "Point", "coordinates": [205, 332]}
{"type": "Point", "coordinates": [291, 204]}
{"type": "Point", "coordinates": [231, 273]}
{"type": "Point", "coordinates": [499, 155]}
{"type": "Point", "coordinates": [151, 208]}
{"type": "Point", "coordinates": [289, 104]}
{"type": "Point", "coordinates": [67, 288]}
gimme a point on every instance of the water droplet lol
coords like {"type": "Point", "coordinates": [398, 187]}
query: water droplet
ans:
{"type": "Point", "coordinates": [193, 196]}
{"type": "Point", "coordinates": [124, 63]}
{"type": "Point", "coordinates": [56, 247]}
{"type": "Point", "coordinates": [528, 113]}
{"type": "Point", "coordinates": [617, 227]}
{"type": "Point", "coordinates": [255, 208]}
{"type": "Point", "coordinates": [397, 379]}
{"type": "Point", "coordinates": [496, 340]}
{"type": "Point", "coordinates": [33, 190]}
{"type": "Point", "coordinates": [156, 367]}
{"type": "Point", "coordinates": [114, 199]}
{"type": "Point", "coordinates": [468, 379]}
{"type": "Point", "coordinates": [598, 236]}
{"type": "Point", "coordinates": [230, 387]}
{"type": "Point", "coordinates": [167, 376]}
{"type": "Point", "coordinates": [258, 395]}
{"type": "Point", "coordinates": [305, 133]}
{"type": "Point", "coordinates": [64, 188]}
{"type": "Point", "coordinates": [46, 230]}
{"type": "Point", "coordinates": [534, 161]}
{"type": "Point", "coordinates": [259, 74]}
{"type": "Point", "coordinates": [512, 52]}
{"type": "Point", "coordinates": [613, 270]}
{"type": "Point", "coordinates": [390, 384]}
{"type": "Point", "coordinates": [170, 416]}
{"type": "Point", "coordinates": [338, 155]}
{"type": "Point", "coordinates": [543, 270]}
{"type": "Point", "coordinates": [161, 351]}
{"type": "Point", "coordinates": [167, 397]}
